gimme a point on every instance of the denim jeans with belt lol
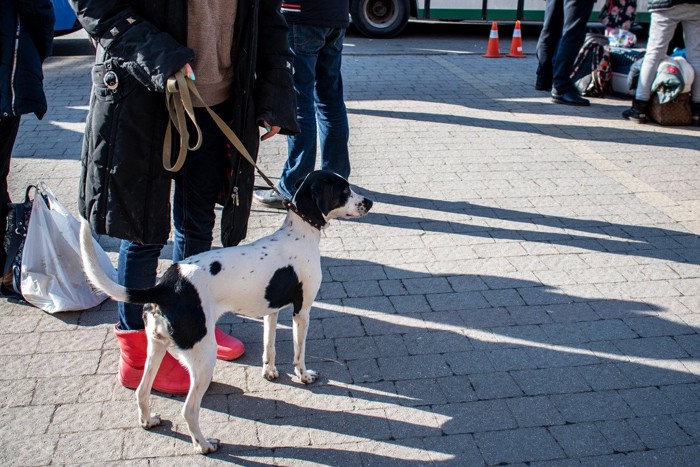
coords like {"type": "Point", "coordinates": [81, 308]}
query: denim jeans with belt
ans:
{"type": "Point", "coordinates": [321, 111]}
{"type": "Point", "coordinates": [563, 33]}
{"type": "Point", "coordinates": [663, 25]}
{"type": "Point", "coordinates": [197, 187]}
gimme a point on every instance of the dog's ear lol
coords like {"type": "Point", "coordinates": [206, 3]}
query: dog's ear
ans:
{"type": "Point", "coordinates": [321, 191]}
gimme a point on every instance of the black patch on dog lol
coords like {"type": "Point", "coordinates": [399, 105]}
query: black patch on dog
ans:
{"type": "Point", "coordinates": [284, 289]}
{"type": "Point", "coordinates": [321, 192]}
{"type": "Point", "coordinates": [179, 304]}
{"type": "Point", "coordinates": [215, 268]}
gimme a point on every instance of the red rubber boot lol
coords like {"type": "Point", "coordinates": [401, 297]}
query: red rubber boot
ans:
{"type": "Point", "coordinates": [227, 347]}
{"type": "Point", "coordinates": [172, 378]}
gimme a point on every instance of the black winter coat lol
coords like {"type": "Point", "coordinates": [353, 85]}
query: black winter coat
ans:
{"type": "Point", "coordinates": [328, 13]}
{"type": "Point", "coordinates": [26, 37]}
{"type": "Point", "coordinates": [124, 189]}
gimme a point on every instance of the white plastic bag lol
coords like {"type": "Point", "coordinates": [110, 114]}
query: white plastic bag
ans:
{"type": "Point", "coordinates": [52, 270]}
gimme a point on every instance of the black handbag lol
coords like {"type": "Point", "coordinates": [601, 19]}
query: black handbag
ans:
{"type": "Point", "coordinates": [15, 234]}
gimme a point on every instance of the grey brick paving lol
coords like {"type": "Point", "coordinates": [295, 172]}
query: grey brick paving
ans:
{"type": "Point", "coordinates": [526, 291]}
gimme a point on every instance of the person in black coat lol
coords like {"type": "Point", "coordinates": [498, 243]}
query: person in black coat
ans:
{"type": "Point", "coordinates": [243, 68]}
{"type": "Point", "coordinates": [26, 38]}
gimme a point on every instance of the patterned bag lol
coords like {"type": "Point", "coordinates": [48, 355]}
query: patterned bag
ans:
{"type": "Point", "coordinates": [591, 74]}
{"type": "Point", "coordinates": [674, 113]}
{"type": "Point", "coordinates": [618, 14]}
{"type": "Point", "coordinates": [15, 234]}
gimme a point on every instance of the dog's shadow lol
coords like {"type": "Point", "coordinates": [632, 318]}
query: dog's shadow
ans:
{"type": "Point", "coordinates": [245, 410]}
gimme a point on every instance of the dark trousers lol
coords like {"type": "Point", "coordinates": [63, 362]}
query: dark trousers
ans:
{"type": "Point", "coordinates": [197, 186]}
{"type": "Point", "coordinates": [321, 111]}
{"type": "Point", "coordinates": [563, 33]}
{"type": "Point", "coordinates": [8, 133]}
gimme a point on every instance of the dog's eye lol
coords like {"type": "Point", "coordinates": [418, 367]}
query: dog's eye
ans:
{"type": "Point", "coordinates": [347, 191]}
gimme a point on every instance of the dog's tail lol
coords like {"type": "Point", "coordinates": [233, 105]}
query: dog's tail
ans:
{"type": "Point", "coordinates": [96, 274]}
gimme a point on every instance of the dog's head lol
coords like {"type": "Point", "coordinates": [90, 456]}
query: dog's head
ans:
{"type": "Point", "coordinates": [325, 195]}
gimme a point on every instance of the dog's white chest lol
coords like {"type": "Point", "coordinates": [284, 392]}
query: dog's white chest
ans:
{"type": "Point", "coordinates": [274, 272]}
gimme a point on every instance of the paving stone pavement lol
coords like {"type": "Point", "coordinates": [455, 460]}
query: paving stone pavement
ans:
{"type": "Point", "coordinates": [525, 291]}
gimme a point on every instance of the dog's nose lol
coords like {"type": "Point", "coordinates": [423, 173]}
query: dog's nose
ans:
{"type": "Point", "coordinates": [367, 203]}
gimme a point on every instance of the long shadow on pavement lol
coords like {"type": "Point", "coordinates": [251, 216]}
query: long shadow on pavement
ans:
{"type": "Point", "coordinates": [607, 237]}
{"type": "Point", "coordinates": [559, 129]}
{"type": "Point", "coordinates": [435, 371]}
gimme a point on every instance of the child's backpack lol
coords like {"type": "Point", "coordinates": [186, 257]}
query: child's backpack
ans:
{"type": "Point", "coordinates": [592, 75]}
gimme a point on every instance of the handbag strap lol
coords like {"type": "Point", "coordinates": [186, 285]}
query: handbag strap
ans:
{"type": "Point", "coordinates": [179, 104]}
{"type": "Point", "coordinates": [18, 230]}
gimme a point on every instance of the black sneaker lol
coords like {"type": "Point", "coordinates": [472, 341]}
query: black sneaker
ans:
{"type": "Point", "coordinates": [569, 98]}
{"type": "Point", "coordinates": [269, 198]}
{"type": "Point", "coordinates": [635, 113]}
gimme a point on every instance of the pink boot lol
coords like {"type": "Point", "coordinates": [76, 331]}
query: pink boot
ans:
{"type": "Point", "coordinates": [228, 347]}
{"type": "Point", "coordinates": [172, 378]}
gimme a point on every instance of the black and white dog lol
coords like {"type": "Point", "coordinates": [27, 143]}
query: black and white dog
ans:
{"type": "Point", "coordinates": [257, 280]}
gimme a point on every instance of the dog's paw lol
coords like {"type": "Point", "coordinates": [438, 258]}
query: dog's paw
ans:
{"type": "Point", "coordinates": [209, 445]}
{"type": "Point", "coordinates": [308, 377]}
{"type": "Point", "coordinates": [270, 373]}
{"type": "Point", "coordinates": [153, 420]}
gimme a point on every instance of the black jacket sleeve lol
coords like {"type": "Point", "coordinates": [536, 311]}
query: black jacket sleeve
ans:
{"type": "Point", "coordinates": [274, 86]}
{"type": "Point", "coordinates": [39, 21]}
{"type": "Point", "coordinates": [150, 55]}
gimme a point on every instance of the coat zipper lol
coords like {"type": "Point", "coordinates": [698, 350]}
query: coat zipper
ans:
{"type": "Point", "coordinates": [251, 59]}
{"type": "Point", "coordinates": [14, 68]}
{"type": "Point", "coordinates": [110, 157]}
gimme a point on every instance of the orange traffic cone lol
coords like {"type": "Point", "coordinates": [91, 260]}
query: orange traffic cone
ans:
{"type": "Point", "coordinates": [516, 45]}
{"type": "Point", "coordinates": [492, 47]}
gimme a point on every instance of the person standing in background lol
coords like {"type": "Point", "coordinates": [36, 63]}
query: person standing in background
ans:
{"type": "Point", "coordinates": [666, 15]}
{"type": "Point", "coordinates": [316, 33]}
{"type": "Point", "coordinates": [26, 39]}
{"type": "Point", "coordinates": [562, 36]}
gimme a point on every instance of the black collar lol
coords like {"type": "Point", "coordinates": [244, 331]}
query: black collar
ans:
{"type": "Point", "coordinates": [291, 207]}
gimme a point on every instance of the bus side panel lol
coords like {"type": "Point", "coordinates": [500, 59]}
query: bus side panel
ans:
{"type": "Point", "coordinates": [503, 10]}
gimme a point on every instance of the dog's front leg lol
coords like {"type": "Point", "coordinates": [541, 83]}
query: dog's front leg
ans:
{"type": "Point", "coordinates": [269, 371]}
{"type": "Point", "coordinates": [299, 330]}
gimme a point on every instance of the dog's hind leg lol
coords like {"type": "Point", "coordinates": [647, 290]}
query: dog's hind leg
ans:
{"type": "Point", "coordinates": [269, 370]}
{"type": "Point", "coordinates": [200, 361]}
{"type": "Point", "coordinates": [156, 349]}
{"type": "Point", "coordinates": [299, 330]}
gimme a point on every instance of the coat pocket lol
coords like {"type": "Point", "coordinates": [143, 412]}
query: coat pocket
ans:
{"type": "Point", "coordinates": [111, 82]}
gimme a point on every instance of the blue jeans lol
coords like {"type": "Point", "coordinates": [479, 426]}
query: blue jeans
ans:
{"type": "Point", "coordinates": [563, 33]}
{"type": "Point", "coordinates": [197, 187]}
{"type": "Point", "coordinates": [321, 109]}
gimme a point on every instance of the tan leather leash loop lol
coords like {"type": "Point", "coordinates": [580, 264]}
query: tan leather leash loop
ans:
{"type": "Point", "coordinates": [179, 104]}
